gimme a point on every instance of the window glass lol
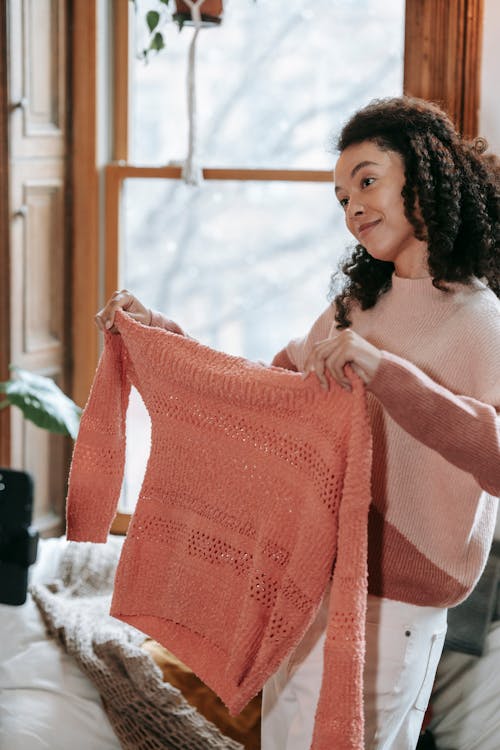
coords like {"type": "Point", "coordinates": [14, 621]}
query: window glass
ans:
{"type": "Point", "coordinates": [245, 266]}
{"type": "Point", "coordinates": [241, 266]}
{"type": "Point", "coordinates": [274, 81]}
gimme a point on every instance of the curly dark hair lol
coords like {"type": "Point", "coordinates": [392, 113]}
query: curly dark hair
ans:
{"type": "Point", "coordinates": [458, 190]}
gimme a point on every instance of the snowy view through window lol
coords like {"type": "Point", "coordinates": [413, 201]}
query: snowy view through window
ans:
{"type": "Point", "coordinates": [245, 266]}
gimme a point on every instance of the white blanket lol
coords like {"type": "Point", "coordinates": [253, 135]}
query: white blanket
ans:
{"type": "Point", "coordinates": [144, 711]}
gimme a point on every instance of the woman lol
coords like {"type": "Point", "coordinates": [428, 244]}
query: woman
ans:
{"type": "Point", "coordinates": [418, 318]}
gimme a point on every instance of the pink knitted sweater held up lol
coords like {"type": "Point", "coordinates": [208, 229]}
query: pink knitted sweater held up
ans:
{"type": "Point", "coordinates": [257, 485]}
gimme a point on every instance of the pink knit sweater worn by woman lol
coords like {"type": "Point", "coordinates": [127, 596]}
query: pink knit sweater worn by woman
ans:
{"type": "Point", "coordinates": [417, 315]}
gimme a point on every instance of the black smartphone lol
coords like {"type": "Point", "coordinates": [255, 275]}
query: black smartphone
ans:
{"type": "Point", "coordinates": [18, 539]}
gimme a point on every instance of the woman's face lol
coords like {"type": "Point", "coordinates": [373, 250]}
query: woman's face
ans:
{"type": "Point", "coordinates": [368, 185]}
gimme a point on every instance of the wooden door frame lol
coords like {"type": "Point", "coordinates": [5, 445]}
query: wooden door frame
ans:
{"type": "Point", "coordinates": [85, 196]}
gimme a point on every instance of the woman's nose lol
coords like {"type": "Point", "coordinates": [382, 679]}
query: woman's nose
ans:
{"type": "Point", "coordinates": [355, 208]}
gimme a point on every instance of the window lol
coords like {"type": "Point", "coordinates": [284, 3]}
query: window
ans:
{"type": "Point", "coordinates": [275, 81]}
{"type": "Point", "coordinates": [243, 261]}
{"type": "Point", "coordinates": [442, 51]}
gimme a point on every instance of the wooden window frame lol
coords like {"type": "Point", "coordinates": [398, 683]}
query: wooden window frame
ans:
{"type": "Point", "coordinates": [441, 63]}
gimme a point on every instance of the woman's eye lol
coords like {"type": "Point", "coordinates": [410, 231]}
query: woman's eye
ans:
{"type": "Point", "coordinates": [367, 181]}
{"type": "Point", "coordinates": [343, 202]}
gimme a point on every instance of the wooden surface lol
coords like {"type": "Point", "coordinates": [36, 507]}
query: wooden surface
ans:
{"type": "Point", "coordinates": [38, 235]}
{"type": "Point", "coordinates": [121, 75]}
{"type": "Point", "coordinates": [443, 42]}
{"type": "Point", "coordinates": [85, 193]}
{"type": "Point", "coordinates": [120, 524]}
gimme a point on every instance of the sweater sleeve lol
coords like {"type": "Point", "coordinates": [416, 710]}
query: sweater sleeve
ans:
{"type": "Point", "coordinates": [282, 359]}
{"type": "Point", "coordinates": [464, 430]}
{"type": "Point", "coordinates": [98, 460]}
{"type": "Point", "coordinates": [298, 349]}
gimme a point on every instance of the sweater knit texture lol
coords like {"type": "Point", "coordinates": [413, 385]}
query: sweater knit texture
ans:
{"type": "Point", "coordinates": [257, 486]}
{"type": "Point", "coordinates": [433, 406]}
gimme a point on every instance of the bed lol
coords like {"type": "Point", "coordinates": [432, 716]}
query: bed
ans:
{"type": "Point", "coordinates": [48, 700]}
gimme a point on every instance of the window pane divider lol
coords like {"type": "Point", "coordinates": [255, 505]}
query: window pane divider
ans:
{"type": "Point", "coordinates": [126, 171]}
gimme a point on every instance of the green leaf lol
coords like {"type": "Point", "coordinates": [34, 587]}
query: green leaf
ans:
{"type": "Point", "coordinates": [152, 19]}
{"type": "Point", "coordinates": [165, 2]}
{"type": "Point", "coordinates": [180, 19]}
{"type": "Point", "coordinates": [43, 402]}
{"type": "Point", "coordinates": [157, 42]}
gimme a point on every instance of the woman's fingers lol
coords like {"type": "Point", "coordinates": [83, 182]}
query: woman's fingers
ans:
{"type": "Point", "coordinates": [105, 317]}
{"type": "Point", "coordinates": [121, 300]}
{"type": "Point", "coordinates": [328, 355]}
{"type": "Point", "coordinates": [334, 359]}
{"type": "Point", "coordinates": [346, 347]}
{"type": "Point", "coordinates": [323, 357]}
{"type": "Point", "coordinates": [335, 364]}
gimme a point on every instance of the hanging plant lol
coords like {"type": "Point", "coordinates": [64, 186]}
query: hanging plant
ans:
{"type": "Point", "coordinates": [211, 12]}
{"type": "Point", "coordinates": [200, 13]}
{"type": "Point", "coordinates": [178, 11]}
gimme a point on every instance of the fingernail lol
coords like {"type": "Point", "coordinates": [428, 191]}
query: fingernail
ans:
{"type": "Point", "coordinates": [108, 324]}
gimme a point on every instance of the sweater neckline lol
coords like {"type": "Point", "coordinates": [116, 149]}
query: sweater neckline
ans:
{"type": "Point", "coordinates": [423, 288]}
{"type": "Point", "coordinates": [415, 288]}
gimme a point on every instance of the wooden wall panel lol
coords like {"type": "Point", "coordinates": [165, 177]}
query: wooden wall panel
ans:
{"type": "Point", "coordinates": [45, 456]}
{"type": "Point", "coordinates": [43, 266]}
{"type": "Point", "coordinates": [37, 78]}
{"type": "Point", "coordinates": [39, 238]}
{"type": "Point", "coordinates": [38, 269]}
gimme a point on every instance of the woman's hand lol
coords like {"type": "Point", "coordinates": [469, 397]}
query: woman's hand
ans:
{"type": "Point", "coordinates": [125, 301]}
{"type": "Point", "coordinates": [332, 354]}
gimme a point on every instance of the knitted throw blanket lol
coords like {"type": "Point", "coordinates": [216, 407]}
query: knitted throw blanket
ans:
{"type": "Point", "coordinates": [145, 712]}
{"type": "Point", "coordinates": [257, 485]}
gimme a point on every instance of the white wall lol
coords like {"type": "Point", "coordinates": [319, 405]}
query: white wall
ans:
{"type": "Point", "coordinates": [489, 110]}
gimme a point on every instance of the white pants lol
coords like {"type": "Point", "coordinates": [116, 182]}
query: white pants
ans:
{"type": "Point", "coordinates": [403, 647]}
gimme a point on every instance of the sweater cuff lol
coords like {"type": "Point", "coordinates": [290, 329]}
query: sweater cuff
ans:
{"type": "Point", "coordinates": [81, 536]}
{"type": "Point", "coordinates": [386, 372]}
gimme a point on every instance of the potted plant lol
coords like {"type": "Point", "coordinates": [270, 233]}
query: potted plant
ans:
{"type": "Point", "coordinates": [160, 15]}
{"type": "Point", "coordinates": [211, 12]}
{"type": "Point", "coordinates": [42, 402]}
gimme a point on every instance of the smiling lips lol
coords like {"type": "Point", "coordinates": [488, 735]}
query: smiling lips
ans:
{"type": "Point", "coordinates": [366, 227]}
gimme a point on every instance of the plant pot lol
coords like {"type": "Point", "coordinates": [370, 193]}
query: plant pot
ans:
{"type": "Point", "coordinates": [211, 12]}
